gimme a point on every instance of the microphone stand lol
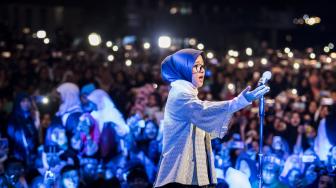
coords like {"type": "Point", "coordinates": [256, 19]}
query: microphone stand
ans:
{"type": "Point", "coordinates": [261, 126]}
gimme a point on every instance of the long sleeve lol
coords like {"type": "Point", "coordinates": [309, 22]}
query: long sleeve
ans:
{"type": "Point", "coordinates": [212, 117]}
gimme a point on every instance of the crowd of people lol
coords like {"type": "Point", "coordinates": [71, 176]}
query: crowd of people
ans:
{"type": "Point", "coordinates": [70, 117]}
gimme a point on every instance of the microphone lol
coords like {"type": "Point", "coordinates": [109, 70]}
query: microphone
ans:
{"type": "Point", "coordinates": [264, 78]}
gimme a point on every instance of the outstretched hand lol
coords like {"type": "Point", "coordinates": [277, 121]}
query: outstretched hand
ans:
{"type": "Point", "coordinates": [256, 93]}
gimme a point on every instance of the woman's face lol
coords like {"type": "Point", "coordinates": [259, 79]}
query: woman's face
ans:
{"type": "Point", "coordinates": [269, 175]}
{"type": "Point", "coordinates": [70, 179]}
{"type": "Point", "coordinates": [293, 177]}
{"type": "Point", "coordinates": [198, 72]}
{"type": "Point", "coordinates": [151, 130]}
{"type": "Point", "coordinates": [25, 105]}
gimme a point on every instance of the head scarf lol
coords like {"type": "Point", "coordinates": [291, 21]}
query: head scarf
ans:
{"type": "Point", "coordinates": [70, 98]}
{"type": "Point", "coordinates": [178, 66]}
{"type": "Point", "coordinates": [107, 112]}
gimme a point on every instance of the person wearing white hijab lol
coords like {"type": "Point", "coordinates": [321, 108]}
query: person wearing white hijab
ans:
{"type": "Point", "coordinates": [189, 124]}
{"type": "Point", "coordinates": [70, 108]}
{"type": "Point", "coordinates": [107, 112]}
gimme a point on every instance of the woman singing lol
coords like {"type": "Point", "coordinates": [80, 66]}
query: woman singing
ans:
{"type": "Point", "coordinates": [190, 123]}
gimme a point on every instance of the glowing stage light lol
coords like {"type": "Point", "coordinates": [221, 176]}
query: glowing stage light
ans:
{"type": "Point", "coordinates": [110, 57]}
{"type": "Point", "coordinates": [94, 39]}
{"type": "Point", "coordinates": [331, 45]}
{"type": "Point", "coordinates": [146, 45]}
{"type": "Point", "coordinates": [248, 51]}
{"type": "Point", "coordinates": [46, 41]}
{"type": "Point", "coordinates": [232, 60]}
{"type": "Point", "coordinates": [328, 60]}
{"type": "Point", "coordinates": [115, 48]}
{"type": "Point", "coordinates": [287, 50]}
{"type": "Point", "coordinates": [312, 55]}
{"type": "Point", "coordinates": [164, 42]}
{"type": "Point", "coordinates": [210, 55]}
{"type": "Point", "coordinates": [326, 49]}
{"type": "Point", "coordinates": [45, 100]}
{"type": "Point", "coordinates": [264, 61]}
{"type": "Point", "coordinates": [41, 34]}
{"type": "Point", "coordinates": [200, 46]}
{"type": "Point", "coordinates": [231, 87]}
{"type": "Point", "coordinates": [128, 62]}
{"type": "Point", "coordinates": [333, 55]}
{"type": "Point", "coordinates": [296, 66]}
{"type": "Point", "coordinates": [192, 41]}
{"type": "Point", "coordinates": [250, 63]}
{"type": "Point", "coordinates": [109, 44]}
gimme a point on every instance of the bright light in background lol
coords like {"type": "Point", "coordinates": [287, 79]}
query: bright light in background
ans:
{"type": "Point", "coordinates": [41, 34]}
{"type": "Point", "coordinates": [241, 65]}
{"type": "Point", "coordinates": [6, 54]}
{"type": "Point", "coordinates": [248, 51]}
{"type": "Point", "coordinates": [146, 45]}
{"type": "Point", "coordinates": [310, 21]}
{"type": "Point", "coordinates": [250, 63]}
{"type": "Point", "coordinates": [232, 60]}
{"type": "Point", "coordinates": [200, 46]}
{"type": "Point", "coordinates": [115, 48]}
{"type": "Point", "coordinates": [294, 91]}
{"type": "Point", "coordinates": [110, 57]}
{"type": "Point", "coordinates": [331, 45]}
{"type": "Point", "coordinates": [210, 55]}
{"type": "Point", "coordinates": [94, 39]}
{"type": "Point", "coordinates": [328, 60]}
{"type": "Point", "coordinates": [333, 55]}
{"type": "Point", "coordinates": [26, 30]}
{"type": "Point", "coordinates": [264, 61]}
{"type": "Point", "coordinates": [173, 10]}
{"type": "Point", "coordinates": [46, 41]}
{"type": "Point", "coordinates": [192, 41]}
{"type": "Point", "coordinates": [312, 55]}
{"type": "Point", "coordinates": [287, 50]}
{"type": "Point", "coordinates": [279, 54]}
{"type": "Point", "coordinates": [290, 54]}
{"type": "Point", "coordinates": [296, 66]}
{"type": "Point", "coordinates": [230, 52]}
{"type": "Point", "coordinates": [45, 100]}
{"type": "Point", "coordinates": [231, 87]}
{"type": "Point", "coordinates": [326, 49]}
{"type": "Point", "coordinates": [128, 62]}
{"type": "Point", "coordinates": [233, 53]}
{"type": "Point", "coordinates": [164, 42]}
{"type": "Point", "coordinates": [109, 44]}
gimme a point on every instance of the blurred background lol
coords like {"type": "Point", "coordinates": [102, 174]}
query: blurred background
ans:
{"type": "Point", "coordinates": [82, 98]}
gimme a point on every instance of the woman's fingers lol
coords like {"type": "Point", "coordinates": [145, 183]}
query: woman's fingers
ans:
{"type": "Point", "coordinates": [246, 89]}
{"type": "Point", "coordinates": [262, 92]}
{"type": "Point", "coordinates": [259, 88]}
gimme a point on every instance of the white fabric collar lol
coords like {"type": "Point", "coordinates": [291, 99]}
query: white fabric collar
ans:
{"type": "Point", "coordinates": [185, 86]}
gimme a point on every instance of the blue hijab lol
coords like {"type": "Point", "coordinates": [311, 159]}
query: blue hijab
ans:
{"type": "Point", "coordinates": [178, 66]}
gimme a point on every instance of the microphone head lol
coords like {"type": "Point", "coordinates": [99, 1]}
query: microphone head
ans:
{"type": "Point", "coordinates": [267, 75]}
